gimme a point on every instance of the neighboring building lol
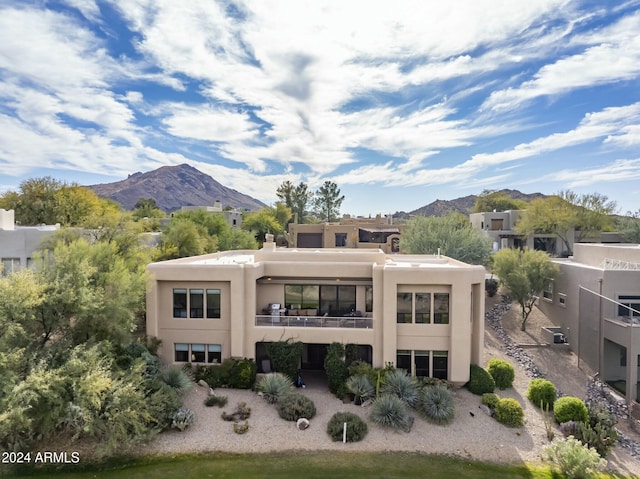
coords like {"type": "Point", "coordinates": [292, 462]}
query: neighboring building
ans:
{"type": "Point", "coordinates": [596, 303]}
{"type": "Point", "coordinates": [233, 217]}
{"type": "Point", "coordinates": [372, 233]}
{"type": "Point", "coordinates": [499, 226]}
{"type": "Point", "coordinates": [423, 313]}
{"type": "Point", "coordinates": [18, 243]}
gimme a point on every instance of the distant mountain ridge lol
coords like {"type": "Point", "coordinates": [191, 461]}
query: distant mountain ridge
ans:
{"type": "Point", "coordinates": [465, 204]}
{"type": "Point", "coordinates": [173, 187]}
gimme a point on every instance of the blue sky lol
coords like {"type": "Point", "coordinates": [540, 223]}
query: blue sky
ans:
{"type": "Point", "coordinates": [400, 103]}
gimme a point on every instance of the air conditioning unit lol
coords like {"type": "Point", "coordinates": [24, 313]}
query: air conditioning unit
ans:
{"type": "Point", "coordinates": [558, 338]}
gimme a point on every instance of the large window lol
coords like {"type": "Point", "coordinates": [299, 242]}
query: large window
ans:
{"type": "Point", "coordinates": [196, 302]}
{"type": "Point", "coordinates": [417, 308]}
{"type": "Point", "coordinates": [368, 299]}
{"type": "Point", "coordinates": [331, 300]}
{"type": "Point", "coordinates": [10, 265]}
{"type": "Point", "coordinates": [434, 364]}
{"type": "Point", "coordinates": [629, 301]}
{"type": "Point", "coordinates": [197, 353]}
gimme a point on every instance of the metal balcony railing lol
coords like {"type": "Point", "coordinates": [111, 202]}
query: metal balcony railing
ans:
{"type": "Point", "coordinates": [351, 322]}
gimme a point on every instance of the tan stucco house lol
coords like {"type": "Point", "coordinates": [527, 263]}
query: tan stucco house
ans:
{"type": "Point", "coordinates": [422, 313]}
{"type": "Point", "coordinates": [596, 303]}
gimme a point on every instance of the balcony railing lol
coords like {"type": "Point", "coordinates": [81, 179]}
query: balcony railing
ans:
{"type": "Point", "coordinates": [314, 321]}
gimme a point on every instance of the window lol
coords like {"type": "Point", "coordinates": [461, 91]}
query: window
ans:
{"type": "Point", "coordinates": [214, 353]}
{"type": "Point", "coordinates": [10, 265]}
{"type": "Point", "coordinates": [403, 360]}
{"type": "Point", "coordinates": [440, 364]}
{"type": "Point", "coordinates": [405, 307]}
{"type": "Point", "coordinates": [422, 363]}
{"type": "Point", "coordinates": [341, 239]}
{"type": "Point", "coordinates": [629, 302]}
{"type": "Point", "coordinates": [181, 352]}
{"type": "Point", "coordinates": [423, 307]}
{"type": "Point", "coordinates": [441, 308]}
{"type": "Point", "coordinates": [213, 303]}
{"type": "Point", "coordinates": [562, 300]}
{"type": "Point", "coordinates": [547, 292]}
{"type": "Point", "coordinates": [197, 353]}
{"type": "Point", "coordinates": [179, 303]}
{"type": "Point", "coordinates": [196, 303]}
{"type": "Point", "coordinates": [368, 299]}
{"type": "Point", "coordinates": [301, 296]}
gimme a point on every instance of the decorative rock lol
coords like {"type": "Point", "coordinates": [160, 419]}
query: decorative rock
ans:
{"type": "Point", "coordinates": [211, 392]}
{"type": "Point", "coordinates": [302, 423]}
{"type": "Point", "coordinates": [486, 409]}
{"type": "Point", "coordinates": [203, 383]}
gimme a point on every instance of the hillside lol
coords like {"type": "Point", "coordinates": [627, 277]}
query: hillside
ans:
{"type": "Point", "coordinates": [465, 204]}
{"type": "Point", "coordinates": [173, 187]}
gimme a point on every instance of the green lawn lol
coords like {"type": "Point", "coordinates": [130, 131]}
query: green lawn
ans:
{"type": "Point", "coordinates": [298, 464]}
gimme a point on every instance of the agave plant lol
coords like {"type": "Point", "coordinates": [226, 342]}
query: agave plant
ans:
{"type": "Point", "coordinates": [391, 412]}
{"type": "Point", "coordinates": [401, 386]}
{"type": "Point", "coordinates": [436, 404]}
{"type": "Point", "coordinates": [177, 378]}
{"type": "Point", "coordinates": [274, 386]}
{"type": "Point", "coordinates": [360, 387]}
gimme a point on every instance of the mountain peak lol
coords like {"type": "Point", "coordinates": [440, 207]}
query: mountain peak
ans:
{"type": "Point", "coordinates": [173, 187]}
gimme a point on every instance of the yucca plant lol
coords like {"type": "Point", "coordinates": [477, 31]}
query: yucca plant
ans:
{"type": "Point", "coordinates": [360, 387]}
{"type": "Point", "coordinates": [391, 412]}
{"type": "Point", "coordinates": [436, 404]}
{"type": "Point", "coordinates": [401, 386]}
{"type": "Point", "coordinates": [176, 378]}
{"type": "Point", "coordinates": [274, 386]}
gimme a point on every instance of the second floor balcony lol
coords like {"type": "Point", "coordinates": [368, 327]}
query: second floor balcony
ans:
{"type": "Point", "coordinates": [350, 321]}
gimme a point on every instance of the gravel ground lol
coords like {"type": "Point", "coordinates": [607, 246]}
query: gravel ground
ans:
{"type": "Point", "coordinates": [472, 434]}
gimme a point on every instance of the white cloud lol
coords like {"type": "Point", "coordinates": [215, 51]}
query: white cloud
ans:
{"type": "Point", "coordinates": [616, 171]}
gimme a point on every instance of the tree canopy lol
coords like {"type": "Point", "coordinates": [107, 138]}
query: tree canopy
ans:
{"type": "Point", "coordinates": [451, 234]}
{"type": "Point", "coordinates": [491, 200]}
{"type": "Point", "coordinates": [297, 198]}
{"type": "Point", "coordinates": [565, 214]}
{"type": "Point", "coordinates": [327, 202]}
{"type": "Point", "coordinates": [629, 227]}
{"type": "Point", "coordinates": [525, 274]}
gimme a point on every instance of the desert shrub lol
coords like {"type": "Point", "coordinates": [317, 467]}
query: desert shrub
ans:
{"type": "Point", "coordinates": [162, 403]}
{"type": "Point", "coordinates": [542, 393]}
{"type": "Point", "coordinates": [240, 428]}
{"type": "Point", "coordinates": [361, 368]}
{"type": "Point", "coordinates": [502, 372]}
{"type": "Point", "coordinates": [391, 412]}
{"type": "Point", "coordinates": [182, 418]}
{"type": "Point", "coordinates": [360, 387]}
{"type": "Point", "coordinates": [220, 401]}
{"type": "Point", "coordinates": [509, 412]}
{"type": "Point", "coordinates": [274, 386]}
{"type": "Point", "coordinates": [480, 381]}
{"type": "Point", "coordinates": [356, 427]}
{"type": "Point", "coordinates": [574, 459]}
{"type": "Point", "coordinates": [569, 408]}
{"type": "Point", "coordinates": [240, 413]}
{"type": "Point", "coordinates": [436, 404]}
{"type": "Point", "coordinates": [402, 386]}
{"type": "Point", "coordinates": [294, 406]}
{"type": "Point", "coordinates": [176, 378]}
{"type": "Point", "coordinates": [571, 428]}
{"type": "Point", "coordinates": [242, 373]}
{"type": "Point", "coordinates": [599, 431]}
{"type": "Point", "coordinates": [424, 381]}
{"type": "Point", "coordinates": [490, 400]}
{"type": "Point", "coordinates": [491, 287]}
{"type": "Point", "coordinates": [213, 375]}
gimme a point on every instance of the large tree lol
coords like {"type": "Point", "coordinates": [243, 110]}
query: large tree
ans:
{"type": "Point", "coordinates": [525, 274]}
{"type": "Point", "coordinates": [297, 198]}
{"type": "Point", "coordinates": [491, 200]}
{"type": "Point", "coordinates": [567, 213]}
{"type": "Point", "coordinates": [327, 202]}
{"type": "Point", "coordinates": [267, 220]}
{"type": "Point", "coordinates": [452, 235]}
{"type": "Point", "coordinates": [629, 227]}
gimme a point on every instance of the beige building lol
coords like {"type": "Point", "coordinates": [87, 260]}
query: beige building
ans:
{"type": "Point", "coordinates": [422, 313]}
{"type": "Point", "coordinates": [596, 303]}
{"type": "Point", "coordinates": [370, 233]}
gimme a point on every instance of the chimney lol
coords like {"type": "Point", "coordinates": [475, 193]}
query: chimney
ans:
{"type": "Point", "coordinates": [269, 244]}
